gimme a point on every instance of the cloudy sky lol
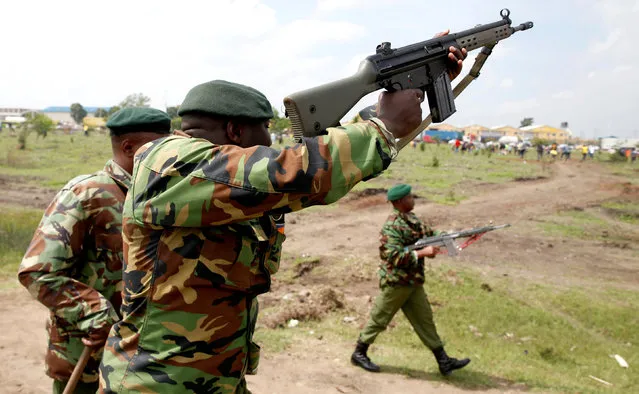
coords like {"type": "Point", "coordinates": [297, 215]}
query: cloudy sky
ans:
{"type": "Point", "coordinates": [578, 64]}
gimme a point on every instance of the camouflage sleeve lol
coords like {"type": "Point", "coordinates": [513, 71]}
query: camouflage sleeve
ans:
{"type": "Point", "coordinates": [392, 247]}
{"type": "Point", "coordinates": [52, 258]}
{"type": "Point", "coordinates": [189, 182]}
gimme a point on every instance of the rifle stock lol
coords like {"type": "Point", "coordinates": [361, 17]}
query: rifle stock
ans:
{"type": "Point", "coordinates": [323, 106]}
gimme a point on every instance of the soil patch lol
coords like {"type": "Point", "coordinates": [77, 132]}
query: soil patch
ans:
{"type": "Point", "coordinates": [305, 306]}
{"type": "Point", "coordinates": [17, 191]}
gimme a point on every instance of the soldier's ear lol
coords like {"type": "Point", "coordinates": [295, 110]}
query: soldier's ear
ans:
{"type": "Point", "coordinates": [128, 147]}
{"type": "Point", "coordinates": [234, 132]}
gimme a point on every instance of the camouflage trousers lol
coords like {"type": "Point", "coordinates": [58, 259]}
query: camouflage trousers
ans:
{"type": "Point", "coordinates": [416, 308]}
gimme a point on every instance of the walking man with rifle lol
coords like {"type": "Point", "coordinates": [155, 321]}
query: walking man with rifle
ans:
{"type": "Point", "coordinates": [402, 284]}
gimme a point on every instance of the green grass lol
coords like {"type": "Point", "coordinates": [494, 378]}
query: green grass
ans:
{"type": "Point", "coordinates": [627, 212]}
{"type": "Point", "coordinates": [454, 171]}
{"type": "Point", "coordinates": [619, 165]}
{"type": "Point", "coordinates": [544, 338]}
{"type": "Point", "coordinates": [588, 225]}
{"type": "Point", "coordinates": [52, 161]}
{"type": "Point", "coordinates": [278, 339]}
{"type": "Point", "coordinates": [16, 230]}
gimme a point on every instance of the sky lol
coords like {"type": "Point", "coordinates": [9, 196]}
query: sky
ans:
{"type": "Point", "coordinates": [578, 64]}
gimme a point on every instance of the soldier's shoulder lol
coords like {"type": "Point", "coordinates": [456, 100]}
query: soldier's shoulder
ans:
{"type": "Point", "coordinates": [78, 180]}
{"type": "Point", "coordinates": [79, 185]}
{"type": "Point", "coordinates": [169, 149]}
{"type": "Point", "coordinates": [97, 177]}
{"type": "Point", "coordinates": [393, 220]}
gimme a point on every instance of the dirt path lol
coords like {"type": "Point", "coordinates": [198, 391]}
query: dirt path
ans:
{"type": "Point", "coordinates": [329, 371]}
{"type": "Point", "coordinates": [351, 229]}
{"type": "Point", "coordinates": [16, 191]}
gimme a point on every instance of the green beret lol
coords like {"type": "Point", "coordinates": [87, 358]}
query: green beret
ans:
{"type": "Point", "coordinates": [398, 191]}
{"type": "Point", "coordinates": [226, 99]}
{"type": "Point", "coordinates": [137, 119]}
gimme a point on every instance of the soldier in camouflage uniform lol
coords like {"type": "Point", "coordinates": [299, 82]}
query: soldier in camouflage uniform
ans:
{"type": "Point", "coordinates": [402, 283]}
{"type": "Point", "coordinates": [74, 263]}
{"type": "Point", "coordinates": [200, 241]}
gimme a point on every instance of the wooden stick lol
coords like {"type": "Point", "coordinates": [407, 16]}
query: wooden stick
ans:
{"type": "Point", "coordinates": [600, 380]}
{"type": "Point", "coordinates": [77, 371]}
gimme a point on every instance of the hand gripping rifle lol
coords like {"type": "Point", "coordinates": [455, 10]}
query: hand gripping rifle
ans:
{"type": "Point", "coordinates": [448, 240]}
{"type": "Point", "coordinates": [417, 66]}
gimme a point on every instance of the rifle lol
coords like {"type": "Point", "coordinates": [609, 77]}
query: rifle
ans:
{"type": "Point", "coordinates": [448, 240]}
{"type": "Point", "coordinates": [417, 66]}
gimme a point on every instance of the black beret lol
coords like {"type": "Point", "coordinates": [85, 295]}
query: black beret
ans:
{"type": "Point", "coordinates": [138, 119]}
{"type": "Point", "coordinates": [226, 99]}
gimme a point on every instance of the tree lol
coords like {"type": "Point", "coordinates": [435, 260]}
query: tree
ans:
{"type": "Point", "coordinates": [526, 122]}
{"type": "Point", "coordinates": [279, 123]}
{"type": "Point", "coordinates": [113, 110]}
{"type": "Point", "coordinates": [176, 123]}
{"type": "Point", "coordinates": [172, 111]}
{"type": "Point", "coordinates": [39, 123]}
{"type": "Point", "coordinates": [101, 113]}
{"type": "Point", "coordinates": [135, 100]}
{"type": "Point", "coordinates": [78, 112]}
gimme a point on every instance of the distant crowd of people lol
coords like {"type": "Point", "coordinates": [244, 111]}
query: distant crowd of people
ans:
{"type": "Point", "coordinates": [554, 151]}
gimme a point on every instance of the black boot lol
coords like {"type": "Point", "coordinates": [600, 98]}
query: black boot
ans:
{"type": "Point", "coordinates": [448, 364]}
{"type": "Point", "coordinates": [360, 358]}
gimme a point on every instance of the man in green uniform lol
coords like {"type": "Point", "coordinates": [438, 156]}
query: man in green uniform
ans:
{"type": "Point", "coordinates": [199, 236]}
{"type": "Point", "coordinates": [198, 244]}
{"type": "Point", "coordinates": [402, 283]}
{"type": "Point", "coordinates": [74, 263]}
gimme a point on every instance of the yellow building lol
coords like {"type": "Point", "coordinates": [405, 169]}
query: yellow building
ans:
{"type": "Point", "coordinates": [476, 130]}
{"type": "Point", "coordinates": [93, 122]}
{"type": "Point", "coordinates": [546, 132]}
{"type": "Point", "coordinates": [443, 127]}
{"type": "Point", "coordinates": [507, 131]}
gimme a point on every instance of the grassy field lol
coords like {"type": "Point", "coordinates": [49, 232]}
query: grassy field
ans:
{"type": "Point", "coordinates": [52, 161]}
{"type": "Point", "coordinates": [520, 334]}
{"type": "Point", "coordinates": [537, 337]}
{"type": "Point", "coordinates": [16, 229]}
{"type": "Point", "coordinates": [452, 177]}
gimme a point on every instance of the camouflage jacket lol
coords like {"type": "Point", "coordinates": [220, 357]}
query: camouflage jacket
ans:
{"type": "Point", "coordinates": [74, 265]}
{"type": "Point", "coordinates": [400, 267]}
{"type": "Point", "coordinates": [199, 248]}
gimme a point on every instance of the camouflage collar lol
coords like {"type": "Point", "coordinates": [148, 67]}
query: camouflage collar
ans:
{"type": "Point", "coordinates": [118, 174]}
{"type": "Point", "coordinates": [407, 216]}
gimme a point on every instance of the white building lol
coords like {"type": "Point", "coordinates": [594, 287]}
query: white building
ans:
{"type": "Point", "coordinates": [15, 111]}
{"type": "Point", "coordinates": [63, 114]}
{"type": "Point", "coordinates": [614, 142]}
